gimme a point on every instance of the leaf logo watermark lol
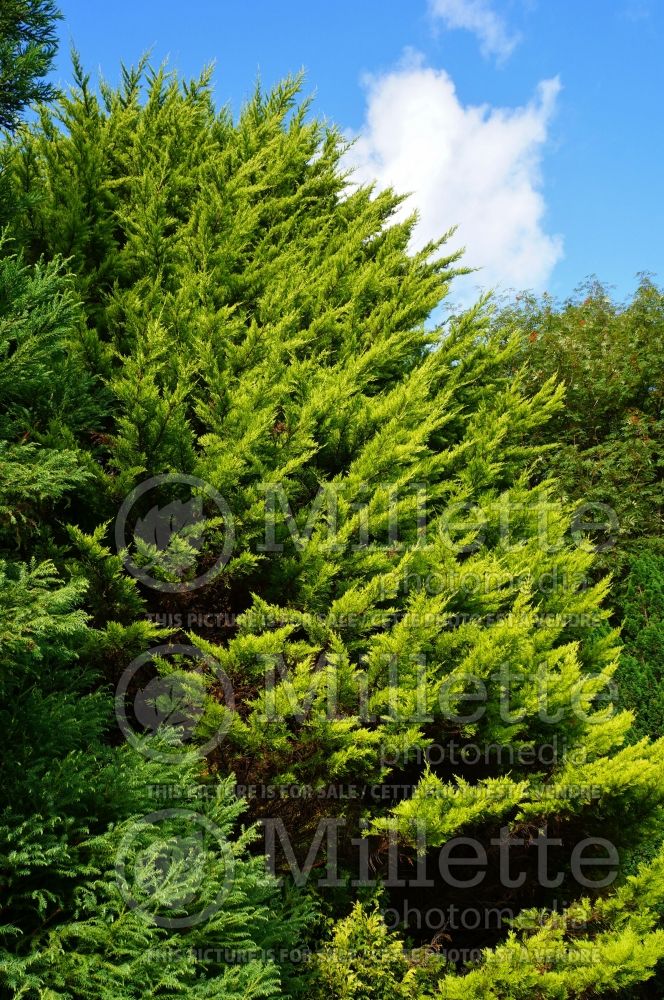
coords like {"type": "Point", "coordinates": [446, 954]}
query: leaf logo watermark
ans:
{"type": "Point", "coordinates": [175, 867]}
{"type": "Point", "coordinates": [161, 532]}
{"type": "Point", "coordinates": [158, 715]}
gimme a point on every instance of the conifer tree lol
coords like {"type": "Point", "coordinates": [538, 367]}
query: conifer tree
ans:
{"type": "Point", "coordinates": [74, 803]}
{"type": "Point", "coordinates": [27, 49]}
{"type": "Point", "coordinates": [397, 574]}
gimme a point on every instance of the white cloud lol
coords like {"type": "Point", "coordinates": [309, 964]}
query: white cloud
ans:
{"type": "Point", "coordinates": [479, 17]}
{"type": "Point", "coordinates": [475, 166]}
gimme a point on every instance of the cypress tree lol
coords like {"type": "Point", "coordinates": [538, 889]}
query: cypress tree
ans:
{"type": "Point", "coordinates": [406, 606]}
{"type": "Point", "coordinates": [89, 882]}
{"type": "Point", "coordinates": [27, 49]}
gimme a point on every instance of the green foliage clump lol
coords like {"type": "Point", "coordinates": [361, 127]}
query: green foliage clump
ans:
{"type": "Point", "coordinates": [640, 602]}
{"type": "Point", "coordinates": [363, 961]}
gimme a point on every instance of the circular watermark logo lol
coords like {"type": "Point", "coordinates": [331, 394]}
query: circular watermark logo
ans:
{"type": "Point", "coordinates": [175, 867]}
{"type": "Point", "coordinates": [171, 704]}
{"type": "Point", "coordinates": [162, 522]}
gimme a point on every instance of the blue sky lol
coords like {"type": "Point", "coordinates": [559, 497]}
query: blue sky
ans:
{"type": "Point", "coordinates": [536, 125]}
